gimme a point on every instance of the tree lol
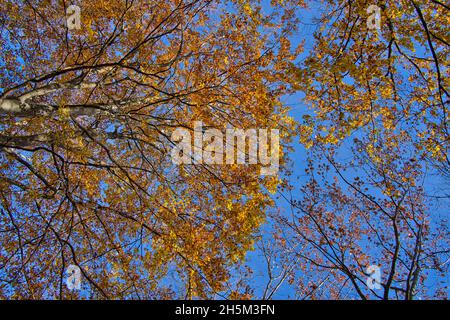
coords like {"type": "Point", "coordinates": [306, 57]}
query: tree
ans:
{"type": "Point", "coordinates": [391, 79]}
{"type": "Point", "coordinates": [89, 106]}
{"type": "Point", "coordinates": [352, 218]}
{"type": "Point", "coordinates": [378, 124]}
{"type": "Point", "coordinates": [85, 171]}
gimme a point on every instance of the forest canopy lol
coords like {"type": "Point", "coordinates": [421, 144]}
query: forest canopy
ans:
{"type": "Point", "coordinates": [91, 93]}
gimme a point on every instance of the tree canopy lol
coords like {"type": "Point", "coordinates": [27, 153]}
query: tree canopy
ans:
{"type": "Point", "coordinates": [86, 176]}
